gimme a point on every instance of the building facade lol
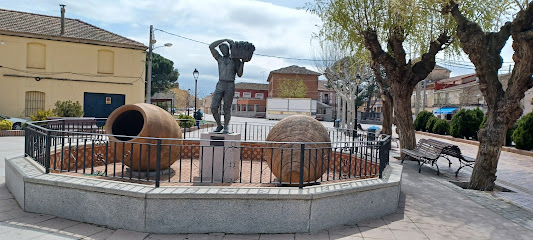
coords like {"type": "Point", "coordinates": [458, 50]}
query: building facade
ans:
{"type": "Point", "coordinates": [250, 99]}
{"type": "Point", "coordinates": [43, 61]}
{"type": "Point", "coordinates": [309, 78]}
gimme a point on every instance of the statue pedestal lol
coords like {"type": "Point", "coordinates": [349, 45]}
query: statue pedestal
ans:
{"type": "Point", "coordinates": [220, 161]}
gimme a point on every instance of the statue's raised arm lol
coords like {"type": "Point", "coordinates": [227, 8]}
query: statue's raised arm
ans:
{"type": "Point", "coordinates": [212, 47]}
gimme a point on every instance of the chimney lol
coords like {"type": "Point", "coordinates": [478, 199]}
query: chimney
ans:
{"type": "Point", "coordinates": [62, 18]}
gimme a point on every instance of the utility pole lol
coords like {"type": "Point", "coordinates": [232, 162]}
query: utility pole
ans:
{"type": "Point", "coordinates": [149, 71]}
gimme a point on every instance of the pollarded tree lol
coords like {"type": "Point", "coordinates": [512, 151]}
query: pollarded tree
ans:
{"type": "Point", "coordinates": [484, 47]}
{"type": "Point", "coordinates": [347, 76]}
{"type": "Point", "coordinates": [413, 33]}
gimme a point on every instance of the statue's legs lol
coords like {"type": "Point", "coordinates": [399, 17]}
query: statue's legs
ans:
{"type": "Point", "coordinates": [229, 92]}
{"type": "Point", "coordinates": [215, 104]}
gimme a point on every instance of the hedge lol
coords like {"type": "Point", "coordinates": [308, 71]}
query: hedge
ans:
{"type": "Point", "coordinates": [441, 127]}
{"type": "Point", "coordinates": [422, 119]}
{"type": "Point", "coordinates": [523, 135]}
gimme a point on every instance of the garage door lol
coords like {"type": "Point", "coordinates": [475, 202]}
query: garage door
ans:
{"type": "Point", "coordinates": [100, 105]}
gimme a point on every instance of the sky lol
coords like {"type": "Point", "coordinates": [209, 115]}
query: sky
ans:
{"type": "Point", "coordinates": [276, 27]}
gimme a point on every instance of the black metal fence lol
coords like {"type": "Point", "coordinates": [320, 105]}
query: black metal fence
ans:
{"type": "Point", "coordinates": [80, 146]}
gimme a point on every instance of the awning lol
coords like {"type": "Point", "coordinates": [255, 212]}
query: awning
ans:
{"type": "Point", "coordinates": [444, 110]}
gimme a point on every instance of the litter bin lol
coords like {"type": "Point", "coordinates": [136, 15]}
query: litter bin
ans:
{"type": "Point", "coordinates": [337, 123]}
{"type": "Point", "coordinates": [371, 133]}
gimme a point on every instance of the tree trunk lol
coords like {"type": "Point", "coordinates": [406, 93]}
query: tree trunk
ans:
{"type": "Point", "coordinates": [491, 138]}
{"type": "Point", "coordinates": [386, 111]}
{"type": "Point", "coordinates": [401, 96]}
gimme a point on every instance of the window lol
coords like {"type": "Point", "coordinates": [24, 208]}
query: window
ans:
{"type": "Point", "coordinates": [106, 61]}
{"type": "Point", "coordinates": [259, 95]}
{"type": "Point", "coordinates": [237, 95]}
{"type": "Point", "coordinates": [36, 56]}
{"type": "Point", "coordinates": [246, 95]}
{"type": "Point", "coordinates": [34, 102]}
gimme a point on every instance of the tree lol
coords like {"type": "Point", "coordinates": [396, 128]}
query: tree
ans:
{"type": "Point", "coordinates": [164, 75]}
{"type": "Point", "coordinates": [483, 44]}
{"type": "Point", "coordinates": [347, 78]}
{"type": "Point", "coordinates": [292, 88]}
{"type": "Point", "coordinates": [412, 24]}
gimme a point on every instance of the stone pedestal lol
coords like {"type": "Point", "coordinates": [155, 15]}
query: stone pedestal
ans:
{"type": "Point", "coordinates": [220, 161]}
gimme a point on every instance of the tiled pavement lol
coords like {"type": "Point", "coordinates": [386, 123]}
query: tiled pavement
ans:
{"type": "Point", "coordinates": [515, 172]}
{"type": "Point", "coordinates": [430, 208]}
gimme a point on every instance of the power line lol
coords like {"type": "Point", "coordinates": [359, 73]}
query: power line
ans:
{"type": "Point", "coordinates": [259, 54]}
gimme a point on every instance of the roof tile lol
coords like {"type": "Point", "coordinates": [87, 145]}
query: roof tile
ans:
{"type": "Point", "coordinates": [23, 22]}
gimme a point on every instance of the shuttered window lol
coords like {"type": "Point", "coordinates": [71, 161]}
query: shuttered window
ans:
{"type": "Point", "coordinates": [34, 102]}
{"type": "Point", "coordinates": [36, 56]}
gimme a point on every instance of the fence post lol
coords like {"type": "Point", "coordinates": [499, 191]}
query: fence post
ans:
{"type": "Point", "coordinates": [47, 152]}
{"type": "Point", "coordinates": [245, 130]}
{"type": "Point", "coordinates": [302, 162]}
{"type": "Point", "coordinates": [384, 148]}
{"type": "Point", "coordinates": [26, 141]}
{"type": "Point", "coordinates": [158, 164]}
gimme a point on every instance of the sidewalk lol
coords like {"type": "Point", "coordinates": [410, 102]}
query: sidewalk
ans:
{"type": "Point", "coordinates": [515, 172]}
{"type": "Point", "coordinates": [430, 208]}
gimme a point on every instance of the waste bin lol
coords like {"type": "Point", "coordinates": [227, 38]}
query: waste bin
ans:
{"type": "Point", "coordinates": [371, 133]}
{"type": "Point", "coordinates": [337, 123]}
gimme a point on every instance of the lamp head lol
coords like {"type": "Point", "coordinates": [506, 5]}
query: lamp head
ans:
{"type": "Point", "coordinates": [195, 74]}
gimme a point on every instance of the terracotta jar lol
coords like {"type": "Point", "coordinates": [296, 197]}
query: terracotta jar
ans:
{"type": "Point", "coordinates": [284, 158]}
{"type": "Point", "coordinates": [138, 125]}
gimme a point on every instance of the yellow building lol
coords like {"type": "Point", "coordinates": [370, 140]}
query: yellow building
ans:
{"type": "Point", "coordinates": [44, 59]}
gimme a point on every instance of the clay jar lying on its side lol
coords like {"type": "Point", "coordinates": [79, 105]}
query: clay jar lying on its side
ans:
{"type": "Point", "coordinates": [143, 120]}
{"type": "Point", "coordinates": [284, 158]}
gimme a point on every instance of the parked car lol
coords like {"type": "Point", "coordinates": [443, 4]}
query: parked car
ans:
{"type": "Point", "coordinates": [17, 122]}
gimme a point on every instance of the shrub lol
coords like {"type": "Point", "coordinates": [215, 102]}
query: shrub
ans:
{"type": "Point", "coordinates": [68, 109]}
{"type": "Point", "coordinates": [421, 120]}
{"type": "Point", "coordinates": [466, 123]}
{"type": "Point", "coordinates": [42, 115]}
{"type": "Point", "coordinates": [441, 127]}
{"type": "Point", "coordinates": [431, 123]}
{"type": "Point", "coordinates": [522, 136]}
{"type": "Point", "coordinates": [186, 121]}
{"type": "Point", "coordinates": [509, 135]}
{"type": "Point", "coordinates": [6, 125]}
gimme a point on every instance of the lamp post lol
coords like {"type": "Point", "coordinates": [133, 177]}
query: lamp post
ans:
{"type": "Point", "coordinates": [149, 71]}
{"type": "Point", "coordinates": [195, 74]}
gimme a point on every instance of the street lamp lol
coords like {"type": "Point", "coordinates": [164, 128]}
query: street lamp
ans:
{"type": "Point", "coordinates": [149, 71]}
{"type": "Point", "coordinates": [195, 74]}
{"type": "Point", "coordinates": [357, 81]}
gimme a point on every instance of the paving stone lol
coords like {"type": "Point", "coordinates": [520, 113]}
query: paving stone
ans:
{"type": "Point", "coordinates": [167, 237]}
{"type": "Point", "coordinates": [100, 235]}
{"type": "Point", "coordinates": [379, 233]}
{"type": "Point", "coordinates": [242, 237]}
{"type": "Point", "coordinates": [82, 230]}
{"type": "Point", "coordinates": [409, 234]}
{"type": "Point", "coordinates": [322, 235]}
{"type": "Point", "coordinates": [276, 236]}
{"type": "Point", "coordinates": [122, 234]}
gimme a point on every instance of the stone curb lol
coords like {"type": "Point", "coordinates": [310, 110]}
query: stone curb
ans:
{"type": "Point", "coordinates": [472, 142]}
{"type": "Point", "coordinates": [289, 209]}
{"type": "Point", "coordinates": [11, 133]}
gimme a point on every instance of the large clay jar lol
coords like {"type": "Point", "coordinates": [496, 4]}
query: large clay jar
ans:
{"type": "Point", "coordinates": [283, 157]}
{"type": "Point", "coordinates": [138, 124]}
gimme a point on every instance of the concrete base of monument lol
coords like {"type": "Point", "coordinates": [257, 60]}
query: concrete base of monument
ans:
{"type": "Point", "coordinates": [202, 209]}
{"type": "Point", "coordinates": [220, 152]}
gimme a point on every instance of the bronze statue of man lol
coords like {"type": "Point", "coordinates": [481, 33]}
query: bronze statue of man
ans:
{"type": "Point", "coordinates": [227, 68]}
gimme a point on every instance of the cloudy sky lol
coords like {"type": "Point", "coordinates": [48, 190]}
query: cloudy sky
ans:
{"type": "Point", "coordinates": [276, 27]}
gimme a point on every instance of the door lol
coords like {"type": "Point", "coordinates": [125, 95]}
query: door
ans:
{"type": "Point", "coordinates": [101, 105]}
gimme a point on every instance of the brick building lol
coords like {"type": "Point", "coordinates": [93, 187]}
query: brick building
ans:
{"type": "Point", "coordinates": [250, 99]}
{"type": "Point", "coordinates": [310, 79]}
